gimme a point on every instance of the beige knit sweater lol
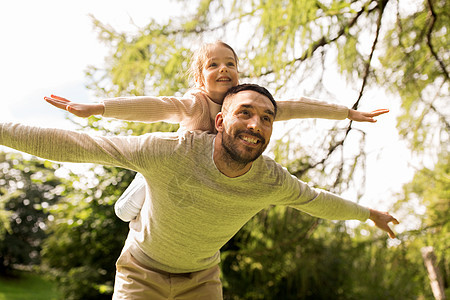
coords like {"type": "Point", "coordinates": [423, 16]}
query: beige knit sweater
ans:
{"type": "Point", "coordinates": [196, 111]}
{"type": "Point", "coordinates": [192, 208]}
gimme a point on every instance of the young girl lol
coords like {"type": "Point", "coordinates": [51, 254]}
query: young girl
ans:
{"type": "Point", "coordinates": [214, 69]}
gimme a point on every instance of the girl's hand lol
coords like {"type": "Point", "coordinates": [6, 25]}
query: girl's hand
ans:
{"type": "Point", "coordinates": [382, 220]}
{"type": "Point", "coordinates": [83, 110]}
{"type": "Point", "coordinates": [360, 116]}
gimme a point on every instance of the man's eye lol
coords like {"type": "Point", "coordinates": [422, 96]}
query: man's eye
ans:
{"type": "Point", "coordinates": [268, 120]}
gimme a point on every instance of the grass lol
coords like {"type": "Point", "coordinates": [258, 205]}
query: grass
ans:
{"type": "Point", "coordinates": [26, 286]}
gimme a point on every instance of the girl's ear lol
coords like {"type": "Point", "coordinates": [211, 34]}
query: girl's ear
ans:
{"type": "Point", "coordinates": [219, 122]}
{"type": "Point", "coordinates": [198, 80]}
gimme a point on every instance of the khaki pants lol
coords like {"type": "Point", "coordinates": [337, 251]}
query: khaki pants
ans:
{"type": "Point", "coordinates": [135, 281]}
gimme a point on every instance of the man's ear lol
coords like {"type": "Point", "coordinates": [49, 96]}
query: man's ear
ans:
{"type": "Point", "coordinates": [219, 122]}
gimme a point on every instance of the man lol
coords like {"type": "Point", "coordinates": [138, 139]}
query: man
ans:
{"type": "Point", "coordinates": [203, 189]}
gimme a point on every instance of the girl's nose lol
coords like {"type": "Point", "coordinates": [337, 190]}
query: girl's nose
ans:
{"type": "Point", "coordinates": [223, 69]}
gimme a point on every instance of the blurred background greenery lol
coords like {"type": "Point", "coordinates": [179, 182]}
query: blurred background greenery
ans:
{"type": "Point", "coordinates": [63, 228]}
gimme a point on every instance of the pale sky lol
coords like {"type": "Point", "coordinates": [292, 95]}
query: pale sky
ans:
{"type": "Point", "coordinates": [47, 45]}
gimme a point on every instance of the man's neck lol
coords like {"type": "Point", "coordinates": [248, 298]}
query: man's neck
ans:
{"type": "Point", "coordinates": [225, 164]}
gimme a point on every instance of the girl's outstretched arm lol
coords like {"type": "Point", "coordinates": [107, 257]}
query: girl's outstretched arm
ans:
{"type": "Point", "coordinates": [305, 107]}
{"type": "Point", "coordinates": [361, 116]}
{"type": "Point", "coordinates": [191, 110]}
{"type": "Point", "coordinates": [83, 110]}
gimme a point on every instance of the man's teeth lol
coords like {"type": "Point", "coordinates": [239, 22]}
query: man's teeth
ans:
{"type": "Point", "coordinates": [250, 140]}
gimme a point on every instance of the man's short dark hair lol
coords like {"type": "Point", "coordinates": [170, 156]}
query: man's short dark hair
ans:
{"type": "Point", "coordinates": [252, 87]}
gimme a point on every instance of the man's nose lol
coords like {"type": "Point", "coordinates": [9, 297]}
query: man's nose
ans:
{"type": "Point", "coordinates": [254, 124]}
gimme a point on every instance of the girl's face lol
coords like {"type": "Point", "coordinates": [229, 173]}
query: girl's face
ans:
{"type": "Point", "coordinates": [219, 72]}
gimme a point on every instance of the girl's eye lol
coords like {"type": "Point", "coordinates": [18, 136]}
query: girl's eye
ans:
{"type": "Point", "coordinates": [231, 64]}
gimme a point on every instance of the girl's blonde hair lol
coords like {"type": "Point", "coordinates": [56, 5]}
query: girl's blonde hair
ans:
{"type": "Point", "coordinates": [199, 57]}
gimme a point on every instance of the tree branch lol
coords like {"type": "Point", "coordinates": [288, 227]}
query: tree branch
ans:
{"type": "Point", "coordinates": [435, 110]}
{"type": "Point", "coordinates": [323, 41]}
{"type": "Point", "coordinates": [430, 45]}
{"type": "Point", "coordinates": [381, 6]}
{"type": "Point", "coordinates": [441, 116]}
{"type": "Point", "coordinates": [333, 147]}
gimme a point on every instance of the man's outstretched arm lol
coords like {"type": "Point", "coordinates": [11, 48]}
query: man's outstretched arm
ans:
{"type": "Point", "coordinates": [323, 204]}
{"type": "Point", "coordinates": [71, 146]}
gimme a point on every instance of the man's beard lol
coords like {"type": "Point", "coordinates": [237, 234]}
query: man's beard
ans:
{"type": "Point", "coordinates": [241, 157]}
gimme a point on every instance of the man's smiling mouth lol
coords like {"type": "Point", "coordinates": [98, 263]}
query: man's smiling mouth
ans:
{"type": "Point", "coordinates": [249, 139]}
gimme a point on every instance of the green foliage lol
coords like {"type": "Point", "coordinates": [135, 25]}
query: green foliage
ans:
{"type": "Point", "coordinates": [283, 254]}
{"type": "Point", "coordinates": [87, 237]}
{"type": "Point", "coordinates": [152, 62]}
{"type": "Point", "coordinates": [201, 17]}
{"type": "Point", "coordinates": [27, 187]}
{"type": "Point", "coordinates": [5, 215]}
{"type": "Point", "coordinates": [432, 188]}
{"type": "Point", "coordinates": [415, 66]}
{"type": "Point", "coordinates": [380, 271]}
{"type": "Point", "coordinates": [283, 24]}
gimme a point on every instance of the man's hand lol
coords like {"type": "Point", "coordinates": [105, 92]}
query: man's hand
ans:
{"type": "Point", "coordinates": [382, 219]}
{"type": "Point", "coordinates": [78, 109]}
{"type": "Point", "coordinates": [361, 116]}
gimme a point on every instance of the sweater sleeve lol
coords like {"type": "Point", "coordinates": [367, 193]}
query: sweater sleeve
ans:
{"type": "Point", "coordinates": [309, 108]}
{"type": "Point", "coordinates": [332, 207]}
{"type": "Point", "coordinates": [135, 153]}
{"type": "Point", "coordinates": [316, 202]}
{"type": "Point", "coordinates": [153, 109]}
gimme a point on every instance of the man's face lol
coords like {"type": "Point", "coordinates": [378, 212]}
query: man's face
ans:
{"type": "Point", "coordinates": [246, 126]}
